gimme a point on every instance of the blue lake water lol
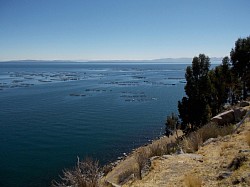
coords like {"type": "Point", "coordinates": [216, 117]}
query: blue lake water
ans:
{"type": "Point", "coordinates": [52, 112]}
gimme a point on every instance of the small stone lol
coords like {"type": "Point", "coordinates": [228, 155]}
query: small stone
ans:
{"type": "Point", "coordinates": [224, 175]}
{"type": "Point", "coordinates": [154, 158]}
{"type": "Point", "coordinates": [244, 103]}
{"type": "Point", "coordinates": [236, 181]}
{"type": "Point", "coordinates": [167, 156]}
{"type": "Point", "coordinates": [210, 140]}
{"type": "Point", "coordinates": [244, 151]}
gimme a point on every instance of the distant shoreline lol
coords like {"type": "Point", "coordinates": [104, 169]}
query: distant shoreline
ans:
{"type": "Point", "coordinates": [160, 61]}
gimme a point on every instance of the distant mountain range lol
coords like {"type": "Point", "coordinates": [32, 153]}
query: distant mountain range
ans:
{"type": "Point", "coordinates": [213, 59]}
{"type": "Point", "coordinates": [161, 60]}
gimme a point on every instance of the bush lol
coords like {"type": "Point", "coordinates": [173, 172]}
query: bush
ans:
{"type": "Point", "coordinates": [156, 149]}
{"type": "Point", "coordinates": [106, 169]}
{"type": "Point", "coordinates": [171, 124]}
{"type": "Point", "coordinates": [141, 158]}
{"type": "Point", "coordinates": [85, 174]}
{"type": "Point", "coordinates": [192, 143]}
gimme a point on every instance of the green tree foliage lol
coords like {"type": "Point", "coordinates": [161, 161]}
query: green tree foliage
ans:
{"type": "Point", "coordinates": [208, 90]}
{"type": "Point", "coordinates": [221, 85]}
{"type": "Point", "coordinates": [171, 124]}
{"type": "Point", "coordinates": [195, 109]}
{"type": "Point", "coordinates": [240, 57]}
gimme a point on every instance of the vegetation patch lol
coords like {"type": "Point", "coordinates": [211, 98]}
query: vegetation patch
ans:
{"type": "Point", "coordinates": [248, 138]}
{"type": "Point", "coordinates": [126, 175]}
{"type": "Point", "coordinates": [192, 180]}
{"type": "Point", "coordinates": [194, 140]}
{"type": "Point", "coordinates": [191, 143]}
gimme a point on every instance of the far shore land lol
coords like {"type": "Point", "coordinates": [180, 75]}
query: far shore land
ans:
{"type": "Point", "coordinates": [214, 60]}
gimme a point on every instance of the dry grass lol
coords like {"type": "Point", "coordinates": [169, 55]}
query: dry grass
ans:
{"type": "Point", "coordinates": [212, 130]}
{"type": "Point", "coordinates": [194, 140]}
{"type": "Point", "coordinates": [192, 143]}
{"type": "Point", "coordinates": [106, 184]}
{"type": "Point", "coordinates": [125, 175]}
{"type": "Point", "coordinates": [248, 138]}
{"type": "Point", "coordinates": [142, 158]}
{"type": "Point", "coordinates": [191, 180]}
{"type": "Point", "coordinates": [156, 149]}
{"type": "Point", "coordinates": [226, 145]}
{"type": "Point", "coordinates": [162, 148]}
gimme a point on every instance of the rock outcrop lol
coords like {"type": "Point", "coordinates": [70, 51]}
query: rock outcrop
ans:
{"type": "Point", "coordinates": [239, 113]}
{"type": "Point", "coordinates": [224, 118]}
{"type": "Point", "coordinates": [231, 116]}
{"type": "Point", "coordinates": [244, 103]}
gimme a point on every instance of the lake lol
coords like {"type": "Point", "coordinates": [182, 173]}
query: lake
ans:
{"type": "Point", "coordinates": [52, 112]}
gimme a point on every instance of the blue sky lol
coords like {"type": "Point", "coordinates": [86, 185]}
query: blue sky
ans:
{"type": "Point", "coordinates": [120, 29]}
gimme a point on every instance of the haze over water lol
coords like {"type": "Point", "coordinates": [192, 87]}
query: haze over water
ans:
{"type": "Point", "coordinates": [53, 112]}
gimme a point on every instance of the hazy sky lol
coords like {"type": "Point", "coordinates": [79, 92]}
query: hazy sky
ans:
{"type": "Point", "coordinates": [120, 29]}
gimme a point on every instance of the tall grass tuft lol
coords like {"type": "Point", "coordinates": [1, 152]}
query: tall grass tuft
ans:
{"type": "Point", "coordinates": [191, 143]}
{"type": "Point", "coordinates": [156, 149]}
{"type": "Point", "coordinates": [194, 140]}
{"type": "Point", "coordinates": [212, 130]}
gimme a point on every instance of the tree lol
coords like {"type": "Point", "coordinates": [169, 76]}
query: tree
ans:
{"type": "Point", "coordinates": [240, 57]}
{"type": "Point", "coordinates": [221, 82]}
{"type": "Point", "coordinates": [171, 124]}
{"type": "Point", "coordinates": [194, 109]}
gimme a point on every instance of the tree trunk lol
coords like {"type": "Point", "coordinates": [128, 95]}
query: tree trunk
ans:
{"type": "Point", "coordinates": [244, 90]}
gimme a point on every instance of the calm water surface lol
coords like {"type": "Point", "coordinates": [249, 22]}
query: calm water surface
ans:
{"type": "Point", "coordinates": [50, 113]}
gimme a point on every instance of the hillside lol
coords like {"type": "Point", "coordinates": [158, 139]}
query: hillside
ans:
{"type": "Point", "coordinates": [221, 161]}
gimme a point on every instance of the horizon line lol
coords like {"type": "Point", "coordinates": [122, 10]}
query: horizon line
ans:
{"type": "Point", "coordinates": [111, 60]}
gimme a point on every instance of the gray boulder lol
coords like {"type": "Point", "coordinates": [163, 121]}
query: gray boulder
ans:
{"type": "Point", "coordinates": [239, 113]}
{"type": "Point", "coordinates": [244, 103]}
{"type": "Point", "coordinates": [224, 118]}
